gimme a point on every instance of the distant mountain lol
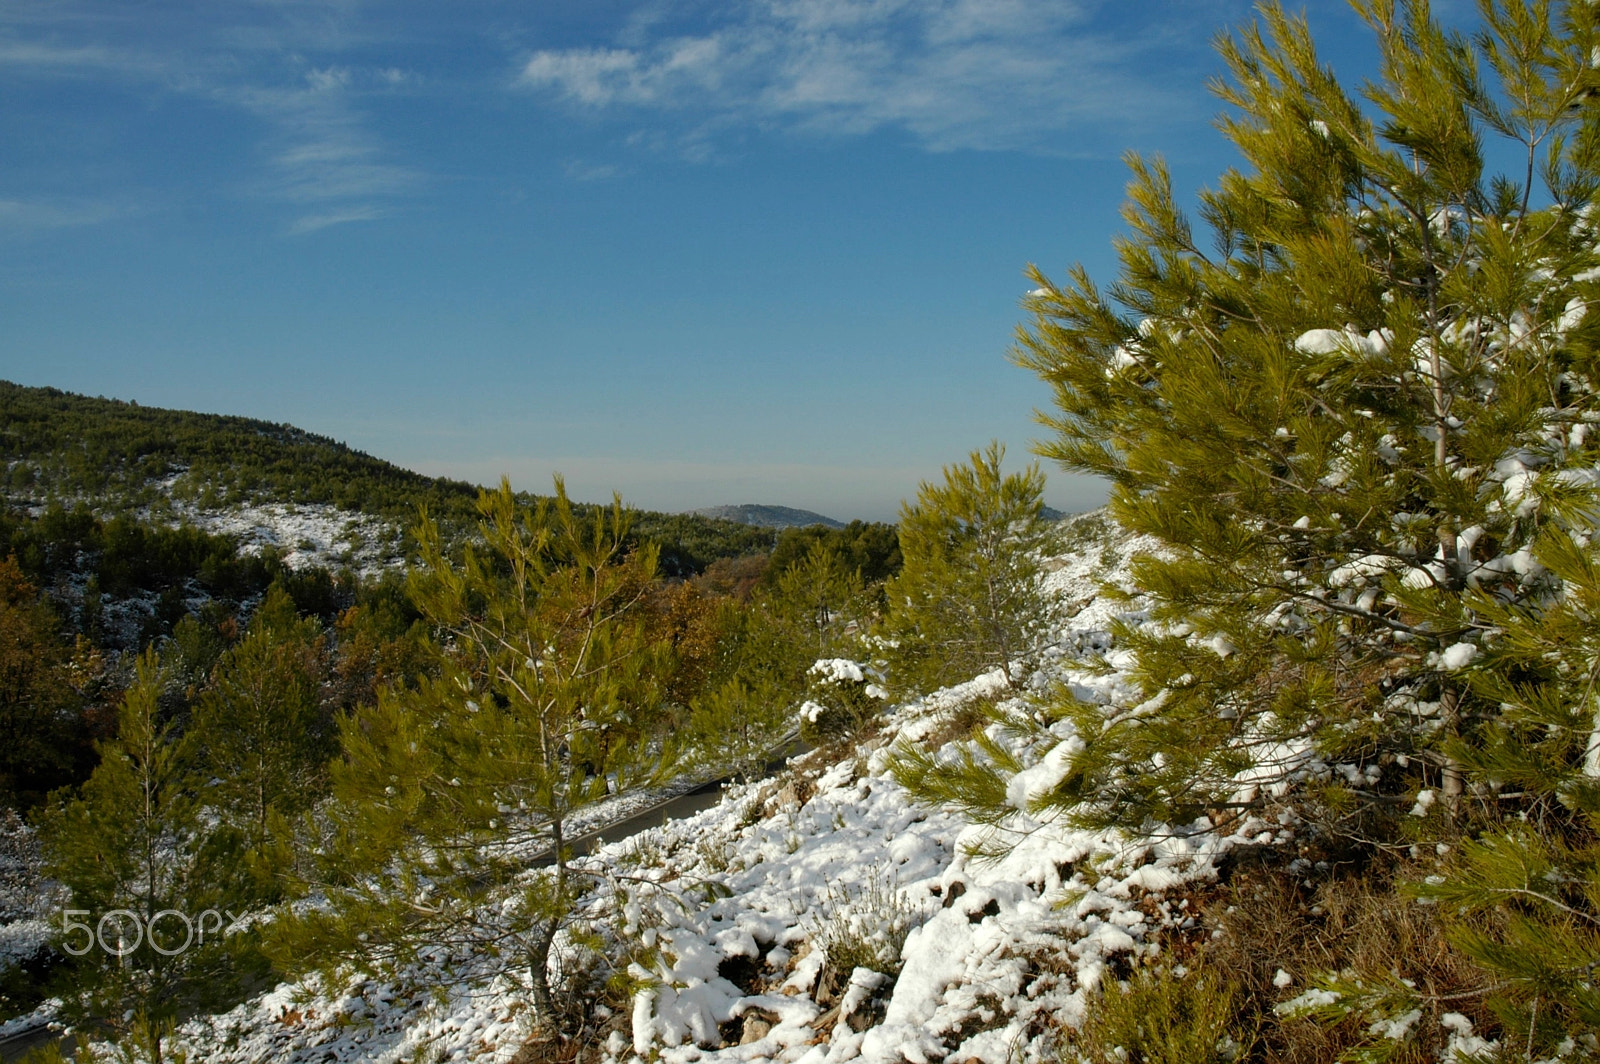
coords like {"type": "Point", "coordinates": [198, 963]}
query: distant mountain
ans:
{"type": "Point", "coordinates": [767, 516]}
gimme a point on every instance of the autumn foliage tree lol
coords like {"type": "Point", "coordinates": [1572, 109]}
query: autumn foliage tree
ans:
{"type": "Point", "coordinates": [42, 741]}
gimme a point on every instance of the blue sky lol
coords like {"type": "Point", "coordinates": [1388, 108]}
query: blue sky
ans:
{"type": "Point", "coordinates": [698, 253]}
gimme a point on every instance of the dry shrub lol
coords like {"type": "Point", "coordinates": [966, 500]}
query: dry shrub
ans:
{"type": "Point", "coordinates": [861, 927]}
{"type": "Point", "coordinates": [1271, 921]}
{"type": "Point", "coordinates": [550, 1049]}
{"type": "Point", "coordinates": [791, 789]}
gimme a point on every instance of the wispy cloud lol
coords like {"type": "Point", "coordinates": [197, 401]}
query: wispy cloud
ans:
{"type": "Point", "coordinates": [318, 154]}
{"type": "Point", "coordinates": [29, 215]}
{"type": "Point", "coordinates": [985, 74]}
{"type": "Point", "coordinates": [55, 58]}
{"type": "Point", "coordinates": [581, 170]}
{"type": "Point", "coordinates": [311, 223]}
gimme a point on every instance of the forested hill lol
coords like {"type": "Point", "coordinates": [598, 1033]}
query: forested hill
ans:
{"type": "Point", "coordinates": [63, 449]}
{"type": "Point", "coordinates": [58, 444]}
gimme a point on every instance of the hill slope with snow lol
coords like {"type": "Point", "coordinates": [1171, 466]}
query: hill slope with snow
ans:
{"type": "Point", "coordinates": [314, 500]}
{"type": "Point", "coordinates": [824, 915]}
{"type": "Point", "coordinates": [725, 919]}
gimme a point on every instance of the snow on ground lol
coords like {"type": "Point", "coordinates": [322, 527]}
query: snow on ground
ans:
{"type": "Point", "coordinates": [307, 534]}
{"type": "Point", "coordinates": [1004, 949]}
{"type": "Point", "coordinates": [26, 900]}
{"type": "Point", "coordinates": [727, 916]}
{"type": "Point", "coordinates": [728, 912]}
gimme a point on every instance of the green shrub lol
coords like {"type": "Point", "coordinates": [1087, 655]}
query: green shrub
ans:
{"type": "Point", "coordinates": [841, 701]}
{"type": "Point", "coordinates": [1163, 1017]}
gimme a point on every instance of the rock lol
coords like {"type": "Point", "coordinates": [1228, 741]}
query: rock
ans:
{"type": "Point", "coordinates": [758, 1023]}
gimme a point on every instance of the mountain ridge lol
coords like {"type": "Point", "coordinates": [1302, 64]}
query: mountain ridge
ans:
{"type": "Point", "coordinates": [766, 515]}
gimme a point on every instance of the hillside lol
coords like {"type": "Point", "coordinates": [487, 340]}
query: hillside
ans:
{"type": "Point", "coordinates": [58, 445]}
{"type": "Point", "coordinates": [745, 898]}
{"type": "Point", "coordinates": [968, 940]}
{"type": "Point", "coordinates": [313, 499]}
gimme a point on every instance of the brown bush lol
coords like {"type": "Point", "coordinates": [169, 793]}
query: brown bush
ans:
{"type": "Point", "coordinates": [1270, 920]}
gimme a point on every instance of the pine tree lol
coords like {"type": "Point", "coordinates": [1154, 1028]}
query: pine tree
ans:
{"type": "Point", "coordinates": [968, 597]}
{"type": "Point", "coordinates": [1522, 899]}
{"type": "Point", "coordinates": [818, 598]}
{"type": "Point", "coordinates": [547, 699]}
{"type": "Point", "coordinates": [260, 722]}
{"type": "Point", "coordinates": [155, 883]}
{"type": "Point", "coordinates": [1362, 424]}
{"type": "Point", "coordinates": [1346, 417]}
{"type": "Point", "coordinates": [817, 608]}
{"type": "Point", "coordinates": [739, 724]}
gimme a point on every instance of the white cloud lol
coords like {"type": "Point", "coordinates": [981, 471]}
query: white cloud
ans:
{"type": "Point", "coordinates": [980, 74]}
{"type": "Point", "coordinates": [589, 75]}
{"type": "Point", "coordinates": [320, 155]}
{"type": "Point", "coordinates": [579, 170]}
{"type": "Point", "coordinates": [328, 80]}
{"type": "Point", "coordinates": [57, 59]}
{"type": "Point", "coordinates": [269, 59]}
{"type": "Point", "coordinates": [311, 223]}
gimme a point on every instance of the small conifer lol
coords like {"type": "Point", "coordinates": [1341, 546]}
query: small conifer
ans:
{"type": "Point", "coordinates": [968, 597]}
{"type": "Point", "coordinates": [260, 723]}
{"type": "Point", "coordinates": [547, 700]}
{"type": "Point", "coordinates": [154, 883]}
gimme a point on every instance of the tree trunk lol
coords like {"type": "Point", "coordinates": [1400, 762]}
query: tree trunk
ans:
{"type": "Point", "coordinates": [1450, 773]}
{"type": "Point", "coordinates": [539, 957]}
{"type": "Point", "coordinates": [1449, 541]}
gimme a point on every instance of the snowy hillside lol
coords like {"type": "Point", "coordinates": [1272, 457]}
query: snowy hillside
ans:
{"type": "Point", "coordinates": [317, 500]}
{"type": "Point", "coordinates": [728, 916]}
{"type": "Point", "coordinates": [308, 534]}
{"type": "Point", "coordinates": [823, 916]}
